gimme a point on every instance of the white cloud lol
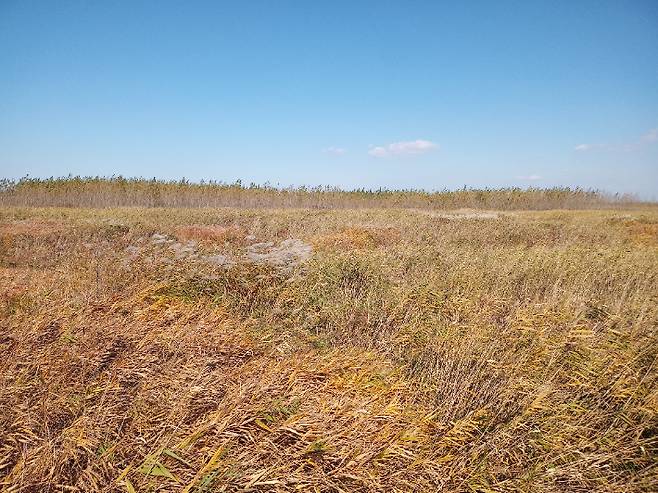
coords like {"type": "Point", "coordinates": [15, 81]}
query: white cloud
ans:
{"type": "Point", "coordinates": [529, 177]}
{"type": "Point", "coordinates": [591, 147]}
{"type": "Point", "coordinates": [403, 148]}
{"type": "Point", "coordinates": [334, 151]}
{"type": "Point", "coordinates": [648, 138]}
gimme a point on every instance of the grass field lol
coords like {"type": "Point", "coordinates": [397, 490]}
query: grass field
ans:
{"type": "Point", "coordinates": [152, 349]}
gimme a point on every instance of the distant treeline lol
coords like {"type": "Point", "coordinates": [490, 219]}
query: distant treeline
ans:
{"type": "Point", "coordinates": [99, 192]}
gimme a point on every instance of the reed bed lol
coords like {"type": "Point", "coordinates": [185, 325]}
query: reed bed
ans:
{"type": "Point", "coordinates": [136, 192]}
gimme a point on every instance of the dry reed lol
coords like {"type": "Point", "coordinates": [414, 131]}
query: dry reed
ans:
{"type": "Point", "coordinates": [137, 192]}
{"type": "Point", "coordinates": [410, 352]}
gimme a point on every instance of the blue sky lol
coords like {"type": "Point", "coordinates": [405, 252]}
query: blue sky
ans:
{"type": "Point", "coordinates": [395, 94]}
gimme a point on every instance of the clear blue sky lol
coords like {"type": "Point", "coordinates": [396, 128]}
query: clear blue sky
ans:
{"type": "Point", "coordinates": [397, 94]}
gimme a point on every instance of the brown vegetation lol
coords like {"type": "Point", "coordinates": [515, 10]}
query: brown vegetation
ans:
{"type": "Point", "coordinates": [411, 352]}
{"type": "Point", "coordinates": [137, 192]}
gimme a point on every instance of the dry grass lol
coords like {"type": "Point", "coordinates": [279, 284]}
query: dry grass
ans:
{"type": "Point", "coordinates": [120, 192]}
{"type": "Point", "coordinates": [211, 233]}
{"type": "Point", "coordinates": [411, 352]}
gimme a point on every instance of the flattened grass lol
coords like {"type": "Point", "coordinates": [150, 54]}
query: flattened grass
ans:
{"type": "Point", "coordinates": [411, 352]}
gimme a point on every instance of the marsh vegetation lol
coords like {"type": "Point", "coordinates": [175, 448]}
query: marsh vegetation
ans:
{"type": "Point", "coordinates": [151, 349]}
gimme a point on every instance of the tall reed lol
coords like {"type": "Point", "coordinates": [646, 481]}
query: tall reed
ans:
{"type": "Point", "coordinates": [117, 191]}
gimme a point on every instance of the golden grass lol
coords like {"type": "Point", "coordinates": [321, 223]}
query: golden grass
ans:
{"type": "Point", "coordinates": [120, 192]}
{"type": "Point", "coordinates": [411, 352]}
{"type": "Point", "coordinates": [211, 234]}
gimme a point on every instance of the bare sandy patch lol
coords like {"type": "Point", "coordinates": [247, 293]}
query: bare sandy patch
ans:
{"type": "Point", "coordinates": [286, 254]}
{"type": "Point", "coordinates": [460, 214]}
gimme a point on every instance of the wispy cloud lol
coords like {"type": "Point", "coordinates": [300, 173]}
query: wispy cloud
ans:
{"type": "Point", "coordinates": [334, 151]}
{"type": "Point", "coordinates": [648, 138]}
{"type": "Point", "coordinates": [403, 148]}
{"type": "Point", "coordinates": [529, 177]}
{"type": "Point", "coordinates": [651, 136]}
{"type": "Point", "coordinates": [603, 147]}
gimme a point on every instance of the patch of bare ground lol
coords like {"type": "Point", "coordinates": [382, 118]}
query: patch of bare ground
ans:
{"type": "Point", "coordinates": [459, 214]}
